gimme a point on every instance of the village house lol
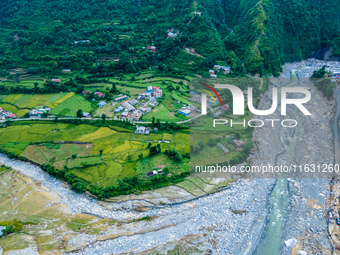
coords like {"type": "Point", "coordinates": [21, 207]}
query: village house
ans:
{"type": "Point", "coordinates": [82, 41]}
{"type": "Point", "coordinates": [101, 103]}
{"type": "Point", "coordinates": [136, 115]}
{"type": "Point", "coordinates": [223, 148]}
{"type": "Point", "coordinates": [125, 114]}
{"type": "Point", "coordinates": [211, 72]}
{"type": "Point", "coordinates": [153, 102]}
{"type": "Point", "coordinates": [86, 115]}
{"type": "Point", "coordinates": [133, 102]}
{"type": "Point", "coordinates": [12, 116]}
{"type": "Point", "coordinates": [225, 107]}
{"type": "Point", "coordinates": [121, 97]}
{"type": "Point", "coordinates": [56, 80]}
{"type": "Point", "coordinates": [238, 143]}
{"type": "Point", "coordinates": [197, 13]}
{"type": "Point", "coordinates": [66, 70]}
{"type": "Point", "coordinates": [218, 113]}
{"type": "Point", "coordinates": [85, 92]}
{"type": "Point", "coordinates": [151, 173]}
{"type": "Point", "coordinates": [142, 130]}
{"type": "Point", "coordinates": [173, 35]}
{"type": "Point", "coordinates": [151, 48]}
{"type": "Point", "coordinates": [185, 111]}
{"type": "Point", "coordinates": [226, 69]}
{"type": "Point", "coordinates": [100, 94]}
{"type": "Point", "coordinates": [214, 76]}
{"type": "Point", "coordinates": [217, 67]}
{"type": "Point", "coordinates": [128, 106]}
{"type": "Point", "coordinates": [119, 109]}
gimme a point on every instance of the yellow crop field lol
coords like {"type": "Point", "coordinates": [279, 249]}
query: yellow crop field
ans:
{"type": "Point", "coordinates": [12, 98]}
{"type": "Point", "coordinates": [100, 133]}
{"type": "Point", "coordinates": [64, 98]}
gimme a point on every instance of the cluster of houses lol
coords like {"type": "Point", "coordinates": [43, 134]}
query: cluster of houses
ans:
{"type": "Point", "coordinates": [129, 110]}
{"type": "Point", "coordinates": [218, 68]}
{"type": "Point", "coordinates": [6, 114]}
{"type": "Point", "coordinates": [39, 112]}
{"type": "Point", "coordinates": [150, 93]}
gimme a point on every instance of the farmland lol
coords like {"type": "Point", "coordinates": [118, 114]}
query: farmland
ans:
{"type": "Point", "coordinates": [99, 155]}
{"type": "Point", "coordinates": [62, 104]}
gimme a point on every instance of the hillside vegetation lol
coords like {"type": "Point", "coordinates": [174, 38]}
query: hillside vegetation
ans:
{"type": "Point", "coordinates": [263, 34]}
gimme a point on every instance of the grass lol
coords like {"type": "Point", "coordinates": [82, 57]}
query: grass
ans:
{"type": "Point", "coordinates": [70, 104]}
{"type": "Point", "coordinates": [161, 113]}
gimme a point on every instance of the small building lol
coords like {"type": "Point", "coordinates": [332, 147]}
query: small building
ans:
{"type": "Point", "coordinates": [217, 67]}
{"type": "Point", "coordinates": [86, 115]}
{"type": "Point", "coordinates": [225, 107]}
{"type": "Point", "coordinates": [211, 72]}
{"type": "Point", "coordinates": [101, 103]}
{"type": "Point", "coordinates": [56, 80]}
{"type": "Point", "coordinates": [34, 112]}
{"type": "Point", "coordinates": [142, 130]}
{"type": "Point", "coordinates": [150, 89]}
{"type": "Point", "coordinates": [128, 106]}
{"type": "Point", "coordinates": [238, 143]}
{"type": "Point", "coordinates": [151, 48]}
{"type": "Point", "coordinates": [125, 114]}
{"type": "Point", "coordinates": [136, 115]}
{"type": "Point", "coordinates": [121, 97]}
{"type": "Point", "coordinates": [198, 13]}
{"type": "Point", "coordinates": [192, 92]}
{"type": "Point", "coordinates": [12, 116]}
{"type": "Point", "coordinates": [173, 35]}
{"type": "Point", "coordinates": [2, 228]}
{"type": "Point", "coordinates": [1, 109]}
{"type": "Point", "coordinates": [214, 76]}
{"type": "Point", "coordinates": [119, 109]}
{"type": "Point", "coordinates": [85, 92]}
{"type": "Point", "coordinates": [153, 102]}
{"type": "Point", "coordinates": [223, 148]}
{"type": "Point", "coordinates": [218, 113]}
{"type": "Point", "coordinates": [158, 93]}
{"type": "Point", "coordinates": [82, 41]}
{"type": "Point", "coordinates": [151, 173]}
{"type": "Point", "coordinates": [66, 70]}
{"type": "Point", "coordinates": [226, 69]}
{"type": "Point", "coordinates": [133, 101]}
{"type": "Point", "coordinates": [185, 111]}
{"type": "Point", "coordinates": [211, 102]}
{"type": "Point", "coordinates": [100, 94]}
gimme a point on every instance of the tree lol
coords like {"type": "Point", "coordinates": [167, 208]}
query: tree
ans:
{"type": "Point", "coordinates": [101, 152]}
{"type": "Point", "coordinates": [80, 113]}
{"type": "Point", "coordinates": [237, 136]}
{"type": "Point", "coordinates": [103, 117]}
{"type": "Point", "coordinates": [114, 88]}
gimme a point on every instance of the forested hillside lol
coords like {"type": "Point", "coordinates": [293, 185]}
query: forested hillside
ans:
{"type": "Point", "coordinates": [262, 34]}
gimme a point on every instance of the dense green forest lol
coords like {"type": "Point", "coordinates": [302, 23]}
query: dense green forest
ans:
{"type": "Point", "coordinates": [252, 36]}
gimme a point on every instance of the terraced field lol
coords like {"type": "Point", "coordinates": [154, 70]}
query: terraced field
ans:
{"type": "Point", "coordinates": [62, 104]}
{"type": "Point", "coordinates": [99, 155]}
